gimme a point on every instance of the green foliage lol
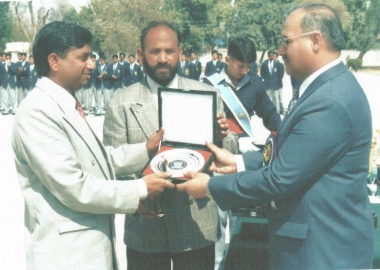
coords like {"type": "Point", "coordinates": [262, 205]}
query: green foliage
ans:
{"type": "Point", "coordinates": [5, 24]}
{"type": "Point", "coordinates": [355, 63]}
{"type": "Point", "coordinates": [261, 21]}
{"type": "Point", "coordinates": [362, 31]}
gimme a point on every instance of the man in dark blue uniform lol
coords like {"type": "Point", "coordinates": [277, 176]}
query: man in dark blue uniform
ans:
{"type": "Point", "coordinates": [220, 59]}
{"type": "Point", "coordinates": [23, 78]}
{"type": "Point", "coordinates": [102, 84]}
{"type": "Point", "coordinates": [250, 91]}
{"type": "Point", "coordinates": [195, 67]}
{"type": "Point", "coordinates": [213, 66]}
{"type": "Point", "coordinates": [116, 71]}
{"type": "Point", "coordinates": [9, 70]}
{"type": "Point", "coordinates": [133, 73]}
{"type": "Point", "coordinates": [31, 77]}
{"type": "Point", "coordinates": [184, 67]}
{"type": "Point", "coordinates": [124, 64]}
{"type": "Point", "coordinates": [272, 72]}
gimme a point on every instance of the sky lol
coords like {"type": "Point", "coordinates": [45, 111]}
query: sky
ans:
{"type": "Point", "coordinates": [52, 3]}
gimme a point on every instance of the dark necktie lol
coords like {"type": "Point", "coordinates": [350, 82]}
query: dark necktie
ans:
{"type": "Point", "coordinates": [293, 101]}
{"type": "Point", "coordinates": [79, 108]}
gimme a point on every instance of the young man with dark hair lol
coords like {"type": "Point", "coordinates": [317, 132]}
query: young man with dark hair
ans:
{"type": "Point", "coordinates": [173, 228]}
{"type": "Point", "coordinates": [184, 66]}
{"type": "Point", "coordinates": [124, 65]}
{"type": "Point", "coordinates": [116, 71]}
{"type": "Point", "coordinates": [9, 86]}
{"type": "Point", "coordinates": [220, 59]}
{"type": "Point", "coordinates": [272, 72]}
{"type": "Point", "coordinates": [65, 172]}
{"type": "Point", "coordinates": [213, 66]}
{"type": "Point", "coordinates": [195, 67]}
{"type": "Point", "coordinates": [32, 75]}
{"type": "Point", "coordinates": [133, 71]}
{"type": "Point", "coordinates": [102, 84]}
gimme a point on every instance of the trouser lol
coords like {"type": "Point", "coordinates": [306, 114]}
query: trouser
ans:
{"type": "Point", "coordinates": [20, 94]}
{"type": "Point", "coordinates": [1, 97]}
{"type": "Point", "coordinates": [107, 93]}
{"type": "Point", "coordinates": [9, 99]}
{"type": "Point", "coordinates": [281, 108]}
{"type": "Point", "coordinates": [221, 251]}
{"type": "Point", "coordinates": [87, 98]}
{"type": "Point", "coordinates": [274, 97]}
{"type": "Point", "coordinates": [197, 259]}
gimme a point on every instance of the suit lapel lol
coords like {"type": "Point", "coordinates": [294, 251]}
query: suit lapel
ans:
{"type": "Point", "coordinates": [146, 113]}
{"type": "Point", "coordinates": [317, 83]}
{"type": "Point", "coordinates": [87, 135]}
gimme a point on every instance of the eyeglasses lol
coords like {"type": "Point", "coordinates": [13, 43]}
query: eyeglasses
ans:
{"type": "Point", "coordinates": [285, 42]}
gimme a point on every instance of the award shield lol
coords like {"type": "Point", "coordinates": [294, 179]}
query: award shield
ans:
{"type": "Point", "coordinates": [189, 120]}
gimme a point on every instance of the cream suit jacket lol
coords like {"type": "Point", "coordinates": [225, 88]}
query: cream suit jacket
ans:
{"type": "Point", "coordinates": [188, 223]}
{"type": "Point", "coordinates": [66, 180]}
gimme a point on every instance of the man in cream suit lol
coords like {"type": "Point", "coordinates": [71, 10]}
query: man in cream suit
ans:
{"type": "Point", "coordinates": [65, 172]}
{"type": "Point", "coordinates": [182, 230]}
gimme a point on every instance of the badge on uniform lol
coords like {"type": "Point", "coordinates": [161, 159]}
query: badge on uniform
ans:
{"type": "Point", "coordinates": [217, 69]}
{"type": "Point", "coordinates": [275, 70]}
{"type": "Point", "coordinates": [187, 71]}
{"type": "Point", "coordinates": [35, 73]}
{"type": "Point", "coordinates": [118, 71]}
{"type": "Point", "coordinates": [136, 73]}
{"type": "Point", "coordinates": [270, 149]}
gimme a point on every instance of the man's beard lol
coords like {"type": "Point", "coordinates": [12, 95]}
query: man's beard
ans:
{"type": "Point", "coordinates": [160, 78]}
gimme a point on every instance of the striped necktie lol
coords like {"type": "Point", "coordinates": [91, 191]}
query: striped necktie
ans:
{"type": "Point", "coordinates": [293, 101]}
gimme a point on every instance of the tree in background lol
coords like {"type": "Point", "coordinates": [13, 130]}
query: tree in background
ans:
{"type": "Point", "coordinates": [5, 25]}
{"type": "Point", "coordinates": [363, 29]}
{"type": "Point", "coordinates": [260, 21]}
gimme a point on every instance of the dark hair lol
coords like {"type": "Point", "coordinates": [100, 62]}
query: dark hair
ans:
{"type": "Point", "coordinates": [132, 55]}
{"type": "Point", "coordinates": [220, 54]}
{"type": "Point", "coordinates": [102, 57]}
{"type": "Point", "coordinates": [271, 52]}
{"type": "Point", "coordinates": [214, 51]}
{"type": "Point", "coordinates": [185, 54]}
{"type": "Point", "coordinates": [93, 55]}
{"type": "Point", "coordinates": [115, 56]}
{"type": "Point", "coordinates": [323, 18]}
{"type": "Point", "coordinates": [154, 24]}
{"type": "Point", "coordinates": [8, 54]}
{"type": "Point", "coordinates": [31, 56]}
{"type": "Point", "coordinates": [57, 37]}
{"type": "Point", "coordinates": [122, 54]}
{"type": "Point", "coordinates": [242, 49]}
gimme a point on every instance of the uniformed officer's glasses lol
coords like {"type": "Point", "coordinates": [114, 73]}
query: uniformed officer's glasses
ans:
{"type": "Point", "coordinates": [285, 41]}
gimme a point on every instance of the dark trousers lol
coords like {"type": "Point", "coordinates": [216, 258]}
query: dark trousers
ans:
{"type": "Point", "coordinates": [198, 259]}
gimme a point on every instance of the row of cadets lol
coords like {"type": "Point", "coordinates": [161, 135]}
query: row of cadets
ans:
{"type": "Point", "coordinates": [214, 66]}
{"type": "Point", "coordinates": [132, 72]}
{"type": "Point", "coordinates": [8, 85]}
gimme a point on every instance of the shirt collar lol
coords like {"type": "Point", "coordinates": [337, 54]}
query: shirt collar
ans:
{"type": "Point", "coordinates": [59, 93]}
{"type": "Point", "coordinates": [305, 84]}
{"type": "Point", "coordinates": [153, 86]}
{"type": "Point", "coordinates": [242, 82]}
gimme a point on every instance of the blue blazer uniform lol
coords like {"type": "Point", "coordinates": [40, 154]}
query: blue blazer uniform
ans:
{"type": "Point", "coordinates": [211, 69]}
{"type": "Point", "coordinates": [133, 76]}
{"type": "Point", "coordinates": [24, 75]}
{"type": "Point", "coordinates": [90, 81]}
{"type": "Point", "coordinates": [105, 80]}
{"type": "Point", "coordinates": [323, 218]}
{"type": "Point", "coordinates": [118, 72]}
{"type": "Point", "coordinates": [184, 72]}
{"type": "Point", "coordinates": [9, 75]}
{"type": "Point", "coordinates": [32, 77]}
{"type": "Point", "coordinates": [195, 70]}
{"type": "Point", "coordinates": [273, 81]}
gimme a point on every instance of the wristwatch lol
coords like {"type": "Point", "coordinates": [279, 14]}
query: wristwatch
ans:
{"type": "Point", "coordinates": [208, 194]}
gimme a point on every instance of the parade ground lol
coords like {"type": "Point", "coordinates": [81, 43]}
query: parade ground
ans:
{"type": "Point", "coordinates": [12, 255]}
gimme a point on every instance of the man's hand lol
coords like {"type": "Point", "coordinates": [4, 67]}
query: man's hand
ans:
{"type": "Point", "coordinates": [224, 161]}
{"type": "Point", "coordinates": [146, 212]}
{"type": "Point", "coordinates": [223, 126]}
{"type": "Point", "coordinates": [156, 183]}
{"type": "Point", "coordinates": [196, 186]}
{"type": "Point", "coordinates": [154, 141]}
{"type": "Point", "coordinates": [113, 76]}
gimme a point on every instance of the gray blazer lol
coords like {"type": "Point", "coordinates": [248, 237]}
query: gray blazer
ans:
{"type": "Point", "coordinates": [65, 176]}
{"type": "Point", "coordinates": [132, 117]}
{"type": "Point", "coordinates": [323, 217]}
